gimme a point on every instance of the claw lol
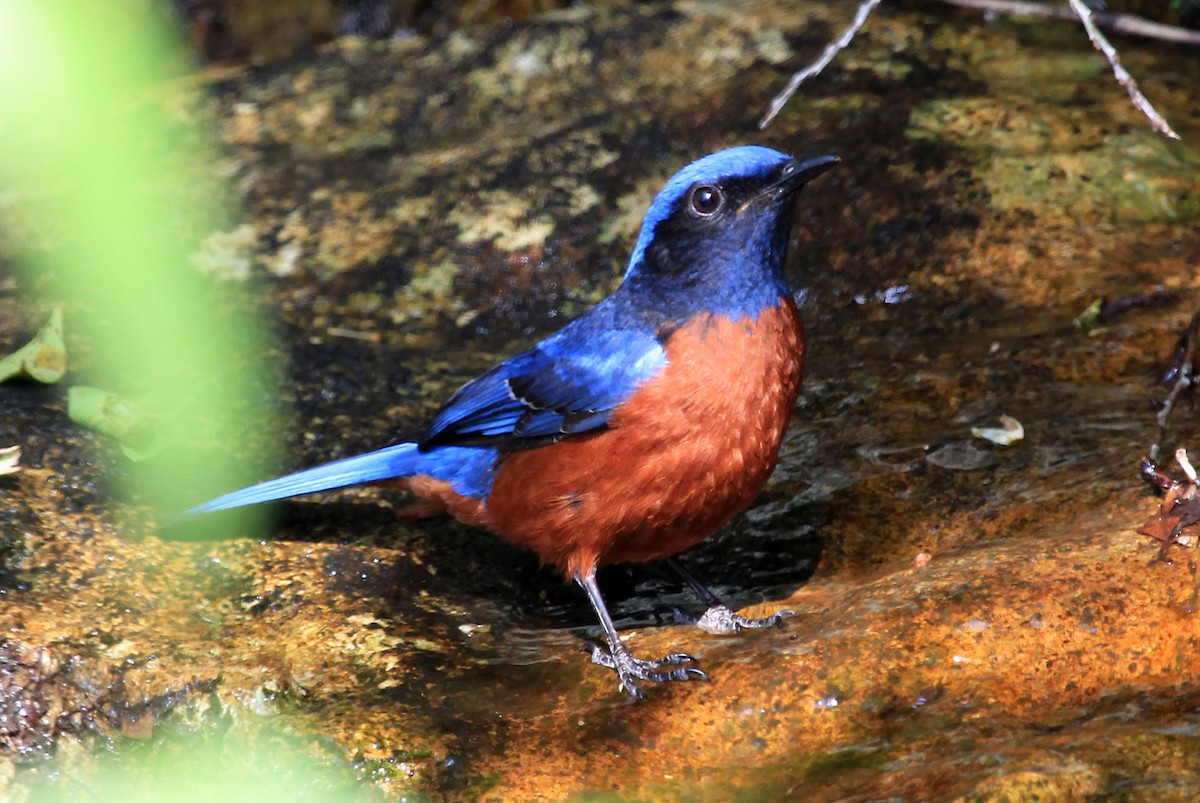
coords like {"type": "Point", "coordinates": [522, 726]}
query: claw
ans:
{"type": "Point", "coordinates": [631, 669]}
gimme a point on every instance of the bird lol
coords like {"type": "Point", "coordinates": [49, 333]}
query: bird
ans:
{"type": "Point", "coordinates": [641, 427]}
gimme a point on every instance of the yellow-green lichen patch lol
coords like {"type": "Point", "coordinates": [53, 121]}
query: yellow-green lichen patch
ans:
{"type": "Point", "coordinates": [501, 219]}
{"type": "Point", "coordinates": [1047, 169]}
{"type": "Point", "coordinates": [350, 231]}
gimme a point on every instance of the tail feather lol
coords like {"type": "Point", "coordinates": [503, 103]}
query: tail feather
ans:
{"type": "Point", "coordinates": [394, 461]}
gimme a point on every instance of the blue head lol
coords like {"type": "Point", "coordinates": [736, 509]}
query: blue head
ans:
{"type": "Point", "coordinates": [716, 235]}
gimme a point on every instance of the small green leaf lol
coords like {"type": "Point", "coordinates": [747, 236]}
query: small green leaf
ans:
{"type": "Point", "coordinates": [43, 359]}
{"type": "Point", "coordinates": [1089, 319]}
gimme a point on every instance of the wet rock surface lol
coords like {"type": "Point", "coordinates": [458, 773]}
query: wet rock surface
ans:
{"type": "Point", "coordinates": [972, 620]}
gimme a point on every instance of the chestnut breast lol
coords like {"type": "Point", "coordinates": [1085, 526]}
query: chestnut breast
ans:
{"type": "Point", "coordinates": [688, 451]}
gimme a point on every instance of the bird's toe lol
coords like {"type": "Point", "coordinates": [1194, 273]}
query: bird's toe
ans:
{"type": "Point", "coordinates": [634, 671]}
{"type": "Point", "coordinates": [720, 620]}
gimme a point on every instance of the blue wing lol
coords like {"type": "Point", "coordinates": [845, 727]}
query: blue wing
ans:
{"type": "Point", "coordinates": [567, 384]}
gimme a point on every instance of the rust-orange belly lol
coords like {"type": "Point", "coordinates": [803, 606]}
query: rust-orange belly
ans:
{"type": "Point", "coordinates": [687, 452]}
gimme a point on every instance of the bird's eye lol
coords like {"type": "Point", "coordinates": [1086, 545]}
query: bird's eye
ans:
{"type": "Point", "coordinates": [706, 200]}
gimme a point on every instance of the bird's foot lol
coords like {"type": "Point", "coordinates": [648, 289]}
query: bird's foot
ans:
{"type": "Point", "coordinates": [631, 669]}
{"type": "Point", "coordinates": [719, 620]}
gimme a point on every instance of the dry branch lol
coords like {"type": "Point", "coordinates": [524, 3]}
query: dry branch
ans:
{"type": "Point", "coordinates": [864, 10]}
{"type": "Point", "coordinates": [1122, 75]}
{"type": "Point", "coordinates": [1124, 24]}
{"type": "Point", "coordinates": [1180, 376]}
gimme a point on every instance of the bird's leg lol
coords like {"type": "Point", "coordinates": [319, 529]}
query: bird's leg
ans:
{"type": "Point", "coordinates": [718, 619]}
{"type": "Point", "coordinates": [629, 668]}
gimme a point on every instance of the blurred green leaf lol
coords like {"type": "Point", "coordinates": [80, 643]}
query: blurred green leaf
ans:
{"type": "Point", "coordinates": [222, 768]}
{"type": "Point", "coordinates": [99, 149]}
{"type": "Point", "coordinates": [127, 421]}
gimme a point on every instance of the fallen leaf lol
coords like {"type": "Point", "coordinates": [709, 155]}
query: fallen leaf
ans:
{"type": "Point", "coordinates": [9, 458]}
{"type": "Point", "coordinates": [43, 359]}
{"type": "Point", "coordinates": [1180, 508]}
{"type": "Point", "coordinates": [112, 415]}
{"type": "Point", "coordinates": [1009, 432]}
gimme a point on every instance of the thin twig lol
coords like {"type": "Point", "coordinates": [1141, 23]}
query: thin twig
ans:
{"type": "Point", "coordinates": [1183, 379]}
{"type": "Point", "coordinates": [1188, 470]}
{"type": "Point", "coordinates": [1122, 75]}
{"type": "Point", "coordinates": [1125, 24]}
{"type": "Point", "coordinates": [864, 10]}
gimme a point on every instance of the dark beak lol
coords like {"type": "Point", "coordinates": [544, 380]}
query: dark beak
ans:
{"type": "Point", "coordinates": [799, 172]}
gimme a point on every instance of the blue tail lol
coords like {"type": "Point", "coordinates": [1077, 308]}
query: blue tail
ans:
{"type": "Point", "coordinates": [467, 469]}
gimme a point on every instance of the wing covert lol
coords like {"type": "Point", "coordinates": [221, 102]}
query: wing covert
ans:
{"type": "Point", "coordinates": [568, 384]}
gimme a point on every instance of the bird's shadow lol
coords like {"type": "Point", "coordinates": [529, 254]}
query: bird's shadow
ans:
{"type": "Point", "coordinates": [745, 563]}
